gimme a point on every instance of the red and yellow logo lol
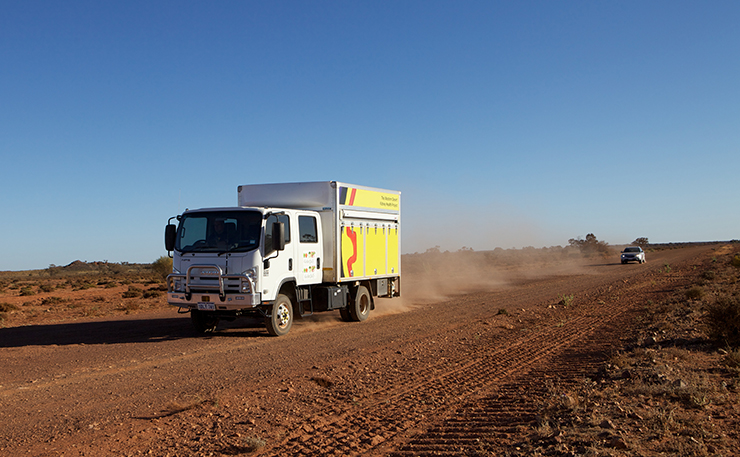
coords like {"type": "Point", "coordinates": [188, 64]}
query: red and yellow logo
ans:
{"type": "Point", "coordinates": [362, 198]}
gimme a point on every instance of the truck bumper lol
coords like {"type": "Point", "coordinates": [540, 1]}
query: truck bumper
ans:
{"type": "Point", "coordinates": [212, 302]}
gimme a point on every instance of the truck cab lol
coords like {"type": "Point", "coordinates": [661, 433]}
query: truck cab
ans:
{"type": "Point", "coordinates": [231, 260]}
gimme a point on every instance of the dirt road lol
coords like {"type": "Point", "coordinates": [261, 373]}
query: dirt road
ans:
{"type": "Point", "coordinates": [458, 375]}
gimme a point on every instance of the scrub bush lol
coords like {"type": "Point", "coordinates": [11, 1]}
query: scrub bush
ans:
{"type": "Point", "coordinates": [132, 292]}
{"type": "Point", "coordinates": [162, 266]}
{"type": "Point", "coordinates": [723, 321]}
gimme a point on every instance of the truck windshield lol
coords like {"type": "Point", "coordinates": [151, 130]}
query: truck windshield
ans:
{"type": "Point", "coordinates": [219, 231]}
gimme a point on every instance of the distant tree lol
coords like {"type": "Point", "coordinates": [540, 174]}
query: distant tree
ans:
{"type": "Point", "coordinates": [642, 242]}
{"type": "Point", "coordinates": [590, 246]}
{"type": "Point", "coordinates": [434, 250]}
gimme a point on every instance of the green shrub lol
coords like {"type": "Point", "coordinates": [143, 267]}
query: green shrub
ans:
{"type": "Point", "coordinates": [83, 286]}
{"type": "Point", "coordinates": [736, 261]}
{"type": "Point", "coordinates": [132, 292]}
{"type": "Point", "coordinates": [162, 266]}
{"type": "Point", "coordinates": [53, 301]}
{"type": "Point", "coordinates": [27, 290]}
{"type": "Point", "coordinates": [151, 294]}
{"type": "Point", "coordinates": [565, 300]}
{"type": "Point", "coordinates": [5, 307]}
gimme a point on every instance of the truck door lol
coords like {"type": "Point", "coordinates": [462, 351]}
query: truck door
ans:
{"type": "Point", "coordinates": [309, 249]}
{"type": "Point", "coordinates": [282, 264]}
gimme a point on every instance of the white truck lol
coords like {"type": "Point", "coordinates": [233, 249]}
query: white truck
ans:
{"type": "Point", "coordinates": [287, 250]}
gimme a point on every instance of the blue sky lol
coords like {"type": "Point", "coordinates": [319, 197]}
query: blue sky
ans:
{"type": "Point", "coordinates": [503, 124]}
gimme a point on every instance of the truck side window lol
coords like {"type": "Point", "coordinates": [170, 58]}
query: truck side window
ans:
{"type": "Point", "coordinates": [307, 229]}
{"type": "Point", "coordinates": [268, 228]}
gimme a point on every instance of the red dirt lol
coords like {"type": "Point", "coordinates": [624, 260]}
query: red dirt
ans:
{"type": "Point", "coordinates": [428, 374]}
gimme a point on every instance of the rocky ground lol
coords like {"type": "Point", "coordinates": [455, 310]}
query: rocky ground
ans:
{"type": "Point", "coordinates": [527, 355]}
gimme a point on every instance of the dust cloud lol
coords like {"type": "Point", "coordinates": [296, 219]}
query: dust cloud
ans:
{"type": "Point", "coordinates": [463, 230]}
{"type": "Point", "coordinates": [434, 275]}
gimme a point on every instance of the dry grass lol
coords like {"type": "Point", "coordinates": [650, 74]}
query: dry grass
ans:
{"type": "Point", "coordinates": [253, 444]}
{"type": "Point", "coordinates": [670, 392]}
{"type": "Point", "coordinates": [77, 291]}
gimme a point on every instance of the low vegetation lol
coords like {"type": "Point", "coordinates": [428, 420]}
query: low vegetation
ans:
{"type": "Point", "coordinates": [81, 289]}
{"type": "Point", "coordinates": [162, 266]}
{"type": "Point", "coordinates": [665, 391]}
{"type": "Point", "coordinates": [723, 321]}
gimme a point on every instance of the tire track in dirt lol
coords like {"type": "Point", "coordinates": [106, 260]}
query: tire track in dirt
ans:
{"type": "Point", "coordinates": [483, 425]}
{"type": "Point", "coordinates": [384, 424]}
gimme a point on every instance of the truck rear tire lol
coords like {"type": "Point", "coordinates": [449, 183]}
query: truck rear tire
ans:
{"type": "Point", "coordinates": [203, 321]}
{"type": "Point", "coordinates": [280, 320]}
{"type": "Point", "coordinates": [359, 309]}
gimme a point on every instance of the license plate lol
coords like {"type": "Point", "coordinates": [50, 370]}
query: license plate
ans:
{"type": "Point", "coordinates": [206, 306]}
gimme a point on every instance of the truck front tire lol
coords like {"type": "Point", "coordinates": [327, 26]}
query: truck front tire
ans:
{"type": "Point", "coordinates": [359, 309]}
{"type": "Point", "coordinates": [204, 321]}
{"type": "Point", "coordinates": [280, 320]}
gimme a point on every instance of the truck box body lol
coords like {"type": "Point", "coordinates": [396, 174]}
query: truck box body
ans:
{"type": "Point", "coordinates": [361, 225]}
{"type": "Point", "coordinates": [287, 248]}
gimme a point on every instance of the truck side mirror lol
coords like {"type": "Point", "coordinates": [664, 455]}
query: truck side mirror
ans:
{"type": "Point", "coordinates": [278, 236]}
{"type": "Point", "coordinates": [170, 234]}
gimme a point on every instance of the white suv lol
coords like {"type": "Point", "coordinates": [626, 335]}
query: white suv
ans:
{"type": "Point", "coordinates": [633, 253]}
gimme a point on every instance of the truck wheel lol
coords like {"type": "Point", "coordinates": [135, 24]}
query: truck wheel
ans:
{"type": "Point", "coordinates": [359, 309]}
{"type": "Point", "coordinates": [280, 320]}
{"type": "Point", "coordinates": [203, 321]}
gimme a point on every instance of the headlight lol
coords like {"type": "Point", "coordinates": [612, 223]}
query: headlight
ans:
{"type": "Point", "coordinates": [250, 281]}
{"type": "Point", "coordinates": [176, 283]}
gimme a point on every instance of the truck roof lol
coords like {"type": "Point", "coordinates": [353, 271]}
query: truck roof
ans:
{"type": "Point", "coordinates": [319, 195]}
